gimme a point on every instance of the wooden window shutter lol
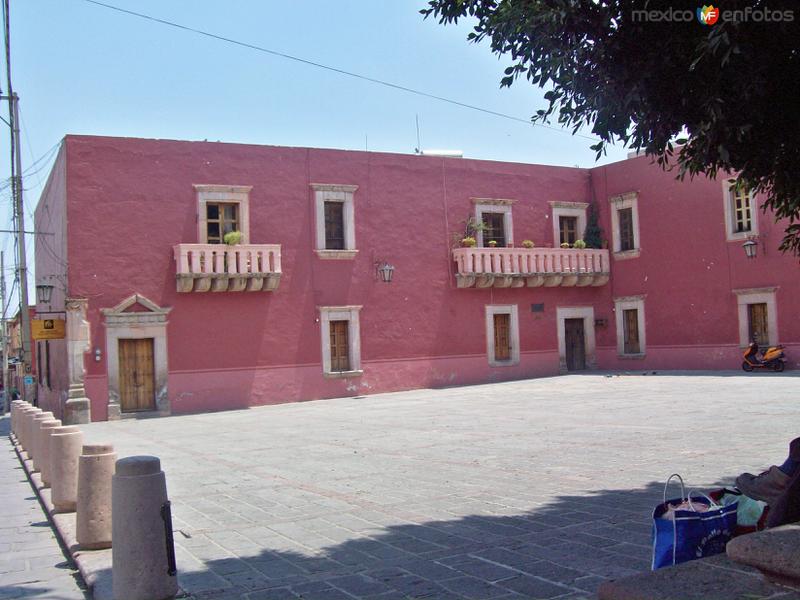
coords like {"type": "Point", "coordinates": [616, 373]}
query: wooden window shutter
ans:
{"type": "Point", "coordinates": [334, 226]}
{"type": "Point", "coordinates": [631, 331]}
{"type": "Point", "coordinates": [625, 229]}
{"type": "Point", "coordinates": [502, 336]}
{"type": "Point", "coordinates": [340, 347]}
{"type": "Point", "coordinates": [568, 227]}
{"type": "Point", "coordinates": [495, 229]}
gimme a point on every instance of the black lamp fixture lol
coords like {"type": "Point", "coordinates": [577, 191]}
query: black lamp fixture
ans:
{"type": "Point", "coordinates": [44, 292]}
{"type": "Point", "coordinates": [750, 248]}
{"type": "Point", "coordinates": [385, 271]}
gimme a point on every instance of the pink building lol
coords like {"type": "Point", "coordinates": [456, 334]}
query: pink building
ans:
{"type": "Point", "coordinates": [163, 317]}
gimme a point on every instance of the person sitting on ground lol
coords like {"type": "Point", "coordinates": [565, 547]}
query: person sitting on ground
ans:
{"type": "Point", "coordinates": [778, 486]}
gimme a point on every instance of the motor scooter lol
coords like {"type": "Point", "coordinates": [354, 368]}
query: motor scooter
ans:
{"type": "Point", "coordinates": [773, 358]}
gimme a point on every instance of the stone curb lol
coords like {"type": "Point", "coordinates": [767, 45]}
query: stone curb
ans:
{"type": "Point", "coordinates": [93, 565]}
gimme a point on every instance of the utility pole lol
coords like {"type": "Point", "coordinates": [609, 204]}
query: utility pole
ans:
{"type": "Point", "coordinates": [19, 207]}
{"type": "Point", "coordinates": [22, 265]}
{"type": "Point", "coordinates": [7, 400]}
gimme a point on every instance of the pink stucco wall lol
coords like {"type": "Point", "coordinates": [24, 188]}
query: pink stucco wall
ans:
{"type": "Point", "coordinates": [51, 268]}
{"type": "Point", "coordinates": [688, 270]}
{"type": "Point", "coordinates": [131, 200]}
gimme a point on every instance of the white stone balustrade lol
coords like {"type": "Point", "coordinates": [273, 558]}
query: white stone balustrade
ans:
{"type": "Point", "coordinates": [223, 268]}
{"type": "Point", "coordinates": [534, 267]}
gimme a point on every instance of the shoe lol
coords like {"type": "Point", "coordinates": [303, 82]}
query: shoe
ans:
{"type": "Point", "coordinates": [767, 486]}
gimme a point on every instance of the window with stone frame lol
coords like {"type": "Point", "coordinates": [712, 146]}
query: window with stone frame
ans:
{"type": "Point", "coordinates": [334, 225]}
{"type": "Point", "coordinates": [568, 229]}
{"type": "Point", "coordinates": [626, 237]}
{"type": "Point", "coordinates": [741, 209]}
{"type": "Point", "coordinates": [221, 218]}
{"type": "Point", "coordinates": [495, 231]}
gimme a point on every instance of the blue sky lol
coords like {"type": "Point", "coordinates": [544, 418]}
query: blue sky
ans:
{"type": "Point", "coordinates": [81, 68]}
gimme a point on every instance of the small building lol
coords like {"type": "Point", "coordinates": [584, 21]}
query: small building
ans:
{"type": "Point", "coordinates": [15, 376]}
{"type": "Point", "coordinates": [164, 317]}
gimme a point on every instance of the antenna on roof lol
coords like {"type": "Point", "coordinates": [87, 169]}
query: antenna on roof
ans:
{"type": "Point", "coordinates": [419, 146]}
{"type": "Point", "coordinates": [441, 153]}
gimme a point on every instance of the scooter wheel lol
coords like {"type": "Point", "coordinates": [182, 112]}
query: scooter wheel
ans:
{"type": "Point", "coordinates": [779, 366]}
{"type": "Point", "coordinates": [747, 366]}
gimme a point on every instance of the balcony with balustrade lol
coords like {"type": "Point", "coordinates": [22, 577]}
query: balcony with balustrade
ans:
{"type": "Point", "coordinates": [531, 267]}
{"type": "Point", "coordinates": [223, 268]}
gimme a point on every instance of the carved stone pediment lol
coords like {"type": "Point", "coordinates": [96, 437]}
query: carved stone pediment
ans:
{"type": "Point", "coordinates": [148, 312]}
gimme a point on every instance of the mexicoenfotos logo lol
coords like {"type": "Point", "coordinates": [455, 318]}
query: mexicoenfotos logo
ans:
{"type": "Point", "coordinates": [708, 15]}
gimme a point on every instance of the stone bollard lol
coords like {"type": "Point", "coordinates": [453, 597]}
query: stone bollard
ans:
{"type": "Point", "coordinates": [142, 531]}
{"type": "Point", "coordinates": [93, 519]}
{"type": "Point", "coordinates": [65, 449]}
{"type": "Point", "coordinates": [46, 429]}
{"type": "Point", "coordinates": [36, 439]}
{"type": "Point", "coordinates": [21, 424]}
{"type": "Point", "coordinates": [16, 408]}
{"type": "Point", "coordinates": [27, 420]}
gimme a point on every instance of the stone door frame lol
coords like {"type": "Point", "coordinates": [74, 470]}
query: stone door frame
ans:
{"type": "Point", "coordinates": [151, 323]}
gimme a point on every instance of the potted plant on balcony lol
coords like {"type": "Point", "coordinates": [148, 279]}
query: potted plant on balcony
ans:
{"type": "Point", "coordinates": [470, 232]}
{"type": "Point", "coordinates": [565, 244]}
{"type": "Point", "coordinates": [492, 244]}
{"type": "Point", "coordinates": [232, 238]}
{"type": "Point", "coordinates": [528, 244]}
{"type": "Point", "coordinates": [579, 244]}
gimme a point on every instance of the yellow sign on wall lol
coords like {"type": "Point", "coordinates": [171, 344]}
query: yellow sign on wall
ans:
{"type": "Point", "coordinates": [48, 329]}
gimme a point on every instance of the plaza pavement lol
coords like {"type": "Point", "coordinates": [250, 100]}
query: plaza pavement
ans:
{"type": "Point", "coordinates": [32, 564]}
{"type": "Point", "coordinates": [531, 489]}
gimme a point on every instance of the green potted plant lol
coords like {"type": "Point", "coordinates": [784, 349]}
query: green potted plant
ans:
{"type": "Point", "coordinates": [565, 244]}
{"type": "Point", "coordinates": [471, 228]}
{"type": "Point", "coordinates": [232, 238]}
{"type": "Point", "coordinates": [528, 244]}
{"type": "Point", "coordinates": [580, 244]}
{"type": "Point", "coordinates": [492, 244]}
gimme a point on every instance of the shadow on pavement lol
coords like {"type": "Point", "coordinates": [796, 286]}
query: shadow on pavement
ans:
{"type": "Point", "coordinates": [563, 549]}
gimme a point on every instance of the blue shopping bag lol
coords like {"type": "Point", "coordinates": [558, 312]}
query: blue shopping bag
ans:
{"type": "Point", "coordinates": [681, 535]}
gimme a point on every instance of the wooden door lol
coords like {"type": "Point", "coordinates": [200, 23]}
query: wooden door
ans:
{"type": "Point", "coordinates": [575, 344]}
{"type": "Point", "coordinates": [502, 336]}
{"type": "Point", "coordinates": [340, 347]}
{"type": "Point", "coordinates": [630, 326]}
{"type": "Point", "coordinates": [757, 317]}
{"type": "Point", "coordinates": [136, 375]}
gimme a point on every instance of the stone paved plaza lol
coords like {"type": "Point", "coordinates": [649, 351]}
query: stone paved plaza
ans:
{"type": "Point", "coordinates": [530, 489]}
{"type": "Point", "coordinates": [534, 489]}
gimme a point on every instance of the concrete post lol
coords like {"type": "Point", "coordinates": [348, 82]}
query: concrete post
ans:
{"type": "Point", "coordinates": [65, 449]}
{"type": "Point", "coordinates": [142, 531]}
{"type": "Point", "coordinates": [93, 519]}
{"type": "Point", "coordinates": [44, 447]}
{"type": "Point", "coordinates": [26, 427]}
{"type": "Point", "coordinates": [36, 439]}
{"type": "Point", "coordinates": [16, 407]}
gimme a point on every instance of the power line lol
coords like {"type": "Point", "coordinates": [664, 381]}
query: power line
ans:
{"type": "Point", "coordinates": [329, 68]}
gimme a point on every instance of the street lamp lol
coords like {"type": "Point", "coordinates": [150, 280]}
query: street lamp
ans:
{"type": "Point", "coordinates": [44, 292]}
{"type": "Point", "coordinates": [386, 272]}
{"type": "Point", "coordinates": [750, 248]}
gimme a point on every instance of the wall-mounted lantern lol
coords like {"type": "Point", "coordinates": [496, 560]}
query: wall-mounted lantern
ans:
{"type": "Point", "coordinates": [44, 292]}
{"type": "Point", "coordinates": [750, 248]}
{"type": "Point", "coordinates": [385, 271]}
